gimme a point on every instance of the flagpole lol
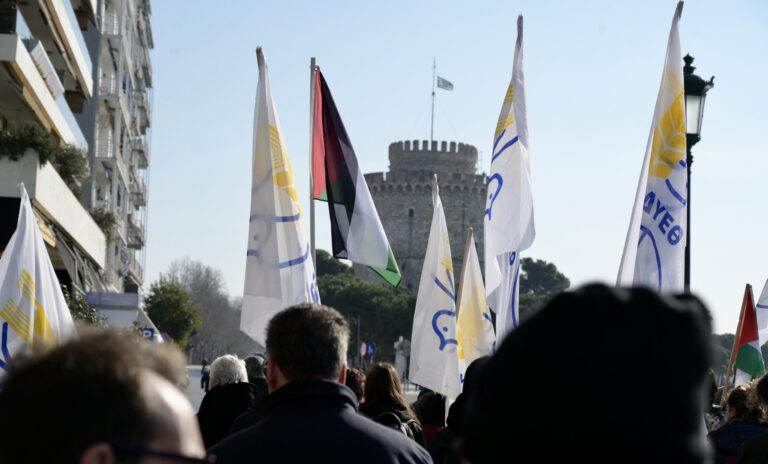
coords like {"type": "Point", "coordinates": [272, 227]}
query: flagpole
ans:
{"type": "Point", "coordinates": [747, 290]}
{"type": "Point", "coordinates": [311, 143]}
{"type": "Point", "coordinates": [463, 270]}
{"type": "Point", "coordinates": [432, 125]}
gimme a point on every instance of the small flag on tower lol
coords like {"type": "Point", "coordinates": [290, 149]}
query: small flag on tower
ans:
{"type": "Point", "coordinates": [444, 83]}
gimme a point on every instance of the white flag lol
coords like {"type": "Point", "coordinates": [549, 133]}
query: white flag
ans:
{"type": "Point", "coordinates": [434, 346]}
{"type": "Point", "coordinates": [474, 329]}
{"type": "Point", "coordinates": [32, 306]}
{"type": "Point", "coordinates": [654, 251]}
{"type": "Point", "coordinates": [279, 271]}
{"type": "Point", "coordinates": [508, 221]}
{"type": "Point", "coordinates": [761, 308]}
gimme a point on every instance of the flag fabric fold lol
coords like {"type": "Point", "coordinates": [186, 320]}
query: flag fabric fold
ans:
{"type": "Point", "coordinates": [32, 306]}
{"type": "Point", "coordinates": [746, 357]}
{"type": "Point", "coordinates": [508, 222]}
{"type": "Point", "coordinates": [654, 249]}
{"type": "Point", "coordinates": [761, 308]}
{"type": "Point", "coordinates": [356, 230]}
{"type": "Point", "coordinates": [434, 346]}
{"type": "Point", "coordinates": [279, 270]}
{"type": "Point", "coordinates": [474, 328]}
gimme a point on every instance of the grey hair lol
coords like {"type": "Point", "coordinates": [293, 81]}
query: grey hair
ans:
{"type": "Point", "coordinates": [228, 369]}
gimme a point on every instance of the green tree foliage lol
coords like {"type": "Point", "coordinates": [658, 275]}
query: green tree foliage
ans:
{"type": "Point", "coordinates": [106, 220]}
{"type": "Point", "coordinates": [219, 333]}
{"type": "Point", "coordinates": [384, 312]}
{"type": "Point", "coordinates": [539, 281]}
{"type": "Point", "coordinates": [172, 310]}
{"type": "Point", "coordinates": [80, 309]}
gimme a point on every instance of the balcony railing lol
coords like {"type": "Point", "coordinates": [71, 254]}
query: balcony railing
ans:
{"type": "Point", "coordinates": [110, 23]}
{"type": "Point", "coordinates": [135, 233]}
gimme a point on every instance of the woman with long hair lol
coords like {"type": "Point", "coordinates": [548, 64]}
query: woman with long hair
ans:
{"type": "Point", "coordinates": [385, 402]}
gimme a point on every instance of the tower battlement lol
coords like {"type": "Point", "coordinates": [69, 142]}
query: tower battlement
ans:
{"type": "Point", "coordinates": [439, 157]}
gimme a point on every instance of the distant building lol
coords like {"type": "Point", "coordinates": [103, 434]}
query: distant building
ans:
{"type": "Point", "coordinates": [403, 198]}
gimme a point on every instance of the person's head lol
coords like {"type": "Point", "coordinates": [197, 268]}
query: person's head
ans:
{"type": "Point", "coordinates": [306, 341]}
{"type": "Point", "coordinates": [737, 406]}
{"type": "Point", "coordinates": [356, 382]}
{"type": "Point", "coordinates": [254, 366]}
{"type": "Point", "coordinates": [630, 364]}
{"type": "Point", "coordinates": [432, 409]}
{"type": "Point", "coordinates": [227, 369]}
{"type": "Point", "coordinates": [383, 387]}
{"type": "Point", "coordinates": [106, 397]}
{"type": "Point", "coordinates": [762, 390]}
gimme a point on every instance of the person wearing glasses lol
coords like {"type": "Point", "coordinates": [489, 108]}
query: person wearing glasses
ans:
{"type": "Point", "coordinates": [107, 397]}
{"type": "Point", "coordinates": [310, 415]}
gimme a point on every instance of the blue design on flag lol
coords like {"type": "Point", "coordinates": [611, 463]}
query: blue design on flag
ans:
{"type": "Point", "coordinates": [442, 286]}
{"type": "Point", "coordinates": [443, 340]}
{"type": "Point", "coordinates": [295, 261]}
{"type": "Point", "coordinates": [644, 231]}
{"type": "Point", "coordinates": [495, 194]}
{"type": "Point", "coordinates": [6, 354]}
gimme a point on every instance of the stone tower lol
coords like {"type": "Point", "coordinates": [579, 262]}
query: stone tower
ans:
{"type": "Point", "coordinates": [403, 198]}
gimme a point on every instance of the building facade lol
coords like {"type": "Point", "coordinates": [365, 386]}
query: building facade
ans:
{"type": "Point", "coordinates": [45, 78]}
{"type": "Point", "coordinates": [403, 199]}
{"type": "Point", "coordinates": [117, 121]}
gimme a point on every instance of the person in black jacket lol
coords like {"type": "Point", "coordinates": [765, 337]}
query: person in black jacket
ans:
{"type": "Point", "coordinates": [310, 415]}
{"type": "Point", "coordinates": [385, 403]}
{"type": "Point", "coordinates": [230, 396]}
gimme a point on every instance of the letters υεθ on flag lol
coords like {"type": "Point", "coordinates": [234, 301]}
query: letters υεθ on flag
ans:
{"type": "Point", "coordinates": [508, 222]}
{"type": "Point", "coordinates": [444, 83]}
{"type": "Point", "coordinates": [279, 271]}
{"type": "Point", "coordinates": [32, 307]}
{"type": "Point", "coordinates": [434, 346]}
{"type": "Point", "coordinates": [474, 328]}
{"type": "Point", "coordinates": [654, 249]}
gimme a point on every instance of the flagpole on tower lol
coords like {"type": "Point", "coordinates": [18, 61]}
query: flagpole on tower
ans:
{"type": "Point", "coordinates": [434, 78]}
{"type": "Point", "coordinates": [312, 77]}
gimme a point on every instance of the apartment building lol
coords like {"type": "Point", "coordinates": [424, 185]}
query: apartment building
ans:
{"type": "Point", "coordinates": [45, 79]}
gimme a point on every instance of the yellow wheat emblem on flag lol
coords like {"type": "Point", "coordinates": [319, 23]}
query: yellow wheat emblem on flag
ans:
{"type": "Point", "coordinates": [281, 166]}
{"type": "Point", "coordinates": [668, 147]}
{"type": "Point", "coordinates": [506, 120]}
{"type": "Point", "coordinates": [37, 329]}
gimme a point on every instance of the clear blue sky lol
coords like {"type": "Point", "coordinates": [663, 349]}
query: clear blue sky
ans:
{"type": "Point", "coordinates": [592, 74]}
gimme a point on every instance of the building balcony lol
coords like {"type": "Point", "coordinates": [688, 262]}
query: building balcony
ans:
{"type": "Point", "coordinates": [135, 270]}
{"type": "Point", "coordinates": [51, 196]}
{"type": "Point", "coordinates": [33, 92]}
{"type": "Point", "coordinates": [138, 192]}
{"type": "Point", "coordinates": [139, 147]}
{"type": "Point", "coordinates": [135, 233]}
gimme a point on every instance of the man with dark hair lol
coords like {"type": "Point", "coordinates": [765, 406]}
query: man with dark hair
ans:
{"type": "Point", "coordinates": [756, 450]}
{"type": "Point", "coordinates": [107, 397]}
{"type": "Point", "coordinates": [310, 415]}
{"type": "Point", "coordinates": [598, 375]}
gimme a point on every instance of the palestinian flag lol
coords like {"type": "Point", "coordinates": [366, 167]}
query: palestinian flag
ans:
{"type": "Point", "coordinates": [746, 356]}
{"type": "Point", "coordinates": [355, 226]}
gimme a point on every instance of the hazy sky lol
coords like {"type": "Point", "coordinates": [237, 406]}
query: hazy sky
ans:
{"type": "Point", "coordinates": [592, 72]}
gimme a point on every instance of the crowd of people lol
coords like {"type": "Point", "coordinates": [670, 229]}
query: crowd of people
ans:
{"type": "Point", "coordinates": [597, 375]}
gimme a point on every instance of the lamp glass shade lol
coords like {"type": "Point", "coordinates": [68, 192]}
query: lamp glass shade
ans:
{"type": "Point", "coordinates": [693, 108]}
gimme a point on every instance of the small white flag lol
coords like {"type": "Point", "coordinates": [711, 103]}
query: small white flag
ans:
{"type": "Point", "coordinates": [279, 271]}
{"type": "Point", "coordinates": [654, 251]}
{"type": "Point", "coordinates": [508, 222]}
{"type": "Point", "coordinates": [32, 307]}
{"type": "Point", "coordinates": [475, 327]}
{"type": "Point", "coordinates": [434, 346]}
{"type": "Point", "coordinates": [444, 83]}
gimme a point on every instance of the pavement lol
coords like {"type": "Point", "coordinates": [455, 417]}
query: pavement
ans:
{"type": "Point", "coordinates": [194, 392]}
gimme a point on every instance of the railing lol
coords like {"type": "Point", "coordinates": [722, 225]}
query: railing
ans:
{"type": "Point", "coordinates": [110, 23]}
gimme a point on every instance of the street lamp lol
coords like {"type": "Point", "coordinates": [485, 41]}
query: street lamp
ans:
{"type": "Point", "coordinates": [696, 90]}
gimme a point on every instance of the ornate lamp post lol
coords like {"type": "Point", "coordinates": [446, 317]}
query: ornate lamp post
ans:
{"type": "Point", "coordinates": [696, 90]}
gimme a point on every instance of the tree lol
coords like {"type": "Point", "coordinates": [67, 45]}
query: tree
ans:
{"type": "Point", "coordinates": [219, 332]}
{"type": "Point", "coordinates": [171, 309]}
{"type": "Point", "coordinates": [81, 311]}
{"type": "Point", "coordinates": [327, 265]}
{"type": "Point", "coordinates": [539, 281]}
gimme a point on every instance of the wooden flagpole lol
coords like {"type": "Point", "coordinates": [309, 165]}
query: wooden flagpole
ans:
{"type": "Point", "coordinates": [312, 77]}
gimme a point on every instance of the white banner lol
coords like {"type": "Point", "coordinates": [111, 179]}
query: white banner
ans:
{"type": "Point", "coordinates": [279, 271]}
{"type": "Point", "coordinates": [508, 223]}
{"type": "Point", "coordinates": [434, 346]}
{"type": "Point", "coordinates": [654, 251]}
{"type": "Point", "coordinates": [32, 306]}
